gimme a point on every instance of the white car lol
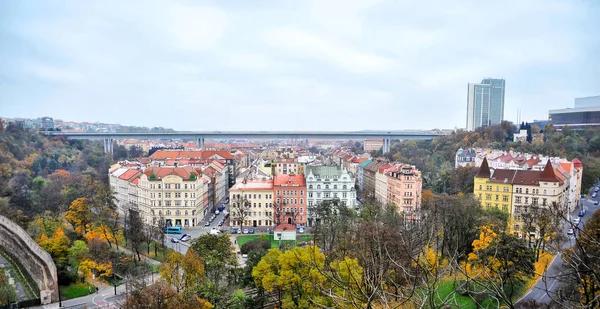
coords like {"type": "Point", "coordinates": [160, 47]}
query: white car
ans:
{"type": "Point", "coordinates": [570, 232]}
{"type": "Point", "coordinates": [245, 231]}
{"type": "Point", "coordinates": [576, 221]}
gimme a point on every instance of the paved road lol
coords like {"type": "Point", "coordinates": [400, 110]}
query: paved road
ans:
{"type": "Point", "coordinates": [105, 298]}
{"type": "Point", "coordinates": [547, 286]}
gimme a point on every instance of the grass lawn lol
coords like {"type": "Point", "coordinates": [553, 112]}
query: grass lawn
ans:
{"type": "Point", "coordinates": [76, 290]}
{"type": "Point", "coordinates": [274, 243]}
{"type": "Point", "coordinates": [447, 287]}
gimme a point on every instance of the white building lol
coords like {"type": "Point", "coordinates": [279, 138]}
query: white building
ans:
{"type": "Point", "coordinates": [176, 194]}
{"type": "Point", "coordinates": [328, 183]}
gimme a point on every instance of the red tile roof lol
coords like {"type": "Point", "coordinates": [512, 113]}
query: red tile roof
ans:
{"type": "Point", "coordinates": [484, 170]}
{"type": "Point", "coordinates": [577, 163]}
{"type": "Point", "coordinates": [129, 174]}
{"type": "Point", "coordinates": [289, 179]}
{"type": "Point", "coordinates": [253, 185]}
{"type": "Point", "coordinates": [548, 173]}
{"type": "Point", "coordinates": [161, 172]}
{"type": "Point", "coordinates": [189, 154]}
{"type": "Point", "coordinates": [284, 227]}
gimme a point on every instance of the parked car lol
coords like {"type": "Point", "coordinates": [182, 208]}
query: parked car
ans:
{"type": "Point", "coordinates": [221, 208]}
{"type": "Point", "coordinates": [244, 256]}
{"type": "Point", "coordinates": [185, 237]}
{"type": "Point", "coordinates": [301, 230]}
{"type": "Point", "coordinates": [245, 231]}
{"type": "Point", "coordinates": [217, 212]}
{"type": "Point", "coordinates": [570, 232]}
{"type": "Point", "coordinates": [174, 240]}
{"type": "Point", "coordinates": [207, 223]}
{"type": "Point", "coordinates": [594, 195]}
{"type": "Point", "coordinates": [250, 231]}
{"type": "Point", "coordinates": [576, 221]}
{"type": "Point", "coordinates": [595, 202]}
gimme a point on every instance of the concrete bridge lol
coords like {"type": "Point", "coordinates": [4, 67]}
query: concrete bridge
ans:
{"type": "Point", "coordinates": [386, 136]}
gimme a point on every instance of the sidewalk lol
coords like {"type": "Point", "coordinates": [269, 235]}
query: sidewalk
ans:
{"type": "Point", "coordinates": [144, 257]}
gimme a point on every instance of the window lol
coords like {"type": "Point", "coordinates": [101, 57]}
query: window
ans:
{"type": "Point", "coordinates": [259, 196]}
{"type": "Point", "coordinates": [310, 186]}
{"type": "Point", "coordinates": [301, 201]}
{"type": "Point", "coordinates": [277, 192]}
{"type": "Point", "coordinates": [185, 186]}
{"type": "Point", "coordinates": [254, 196]}
{"type": "Point", "coordinates": [167, 203]}
{"type": "Point", "coordinates": [344, 187]}
{"type": "Point", "coordinates": [335, 187]}
{"type": "Point", "coordinates": [480, 187]}
{"type": "Point", "coordinates": [344, 195]}
{"type": "Point", "coordinates": [488, 197]}
{"type": "Point", "coordinates": [526, 190]}
{"type": "Point", "coordinates": [158, 194]}
{"type": "Point", "coordinates": [318, 187]}
{"type": "Point", "coordinates": [326, 195]}
{"type": "Point", "coordinates": [177, 195]}
{"type": "Point", "coordinates": [496, 197]}
{"type": "Point", "coordinates": [178, 203]}
{"type": "Point", "coordinates": [177, 186]}
{"type": "Point", "coordinates": [497, 188]}
{"type": "Point", "coordinates": [301, 211]}
{"type": "Point", "coordinates": [185, 195]}
{"type": "Point", "coordinates": [301, 192]}
{"type": "Point", "coordinates": [480, 196]}
{"type": "Point", "coordinates": [167, 186]}
{"type": "Point", "coordinates": [168, 195]}
{"type": "Point", "coordinates": [326, 187]}
{"type": "Point", "coordinates": [505, 198]}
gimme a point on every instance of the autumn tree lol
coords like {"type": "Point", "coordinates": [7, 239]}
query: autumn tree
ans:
{"type": "Point", "coordinates": [161, 295]}
{"type": "Point", "coordinates": [499, 264]}
{"type": "Point", "coordinates": [57, 245]}
{"type": "Point", "coordinates": [582, 267]}
{"type": "Point", "coordinates": [293, 276]}
{"type": "Point", "coordinates": [80, 215]}
{"type": "Point", "coordinates": [134, 232]}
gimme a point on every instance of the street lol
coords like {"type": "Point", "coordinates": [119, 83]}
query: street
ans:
{"type": "Point", "coordinates": [547, 286]}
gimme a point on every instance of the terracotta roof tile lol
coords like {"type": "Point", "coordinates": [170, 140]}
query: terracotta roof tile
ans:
{"type": "Point", "coordinates": [289, 179]}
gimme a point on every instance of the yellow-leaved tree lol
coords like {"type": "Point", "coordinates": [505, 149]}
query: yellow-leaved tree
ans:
{"type": "Point", "coordinates": [57, 245]}
{"type": "Point", "coordinates": [296, 274]}
{"type": "Point", "coordinates": [80, 215]}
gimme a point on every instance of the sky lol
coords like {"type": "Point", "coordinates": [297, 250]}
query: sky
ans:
{"type": "Point", "coordinates": [292, 65]}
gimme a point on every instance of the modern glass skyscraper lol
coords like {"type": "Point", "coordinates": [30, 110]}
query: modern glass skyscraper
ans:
{"type": "Point", "coordinates": [485, 103]}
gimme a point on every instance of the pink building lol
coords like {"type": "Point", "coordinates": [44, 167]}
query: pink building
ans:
{"type": "Point", "coordinates": [404, 185]}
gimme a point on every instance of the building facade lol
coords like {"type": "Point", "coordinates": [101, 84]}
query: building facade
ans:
{"type": "Point", "coordinates": [523, 194]}
{"type": "Point", "coordinates": [258, 197]}
{"type": "Point", "coordinates": [328, 183]}
{"type": "Point", "coordinates": [360, 175]}
{"type": "Point", "coordinates": [286, 166]}
{"type": "Point", "coordinates": [405, 185]}
{"type": "Point", "coordinates": [381, 185]}
{"type": "Point", "coordinates": [485, 103]}
{"type": "Point", "coordinates": [290, 200]}
{"type": "Point", "coordinates": [371, 145]}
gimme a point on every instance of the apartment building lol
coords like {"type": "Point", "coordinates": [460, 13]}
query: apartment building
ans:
{"type": "Point", "coordinates": [522, 193]}
{"type": "Point", "coordinates": [328, 183]}
{"type": "Point", "coordinates": [371, 145]}
{"type": "Point", "coordinates": [369, 178]}
{"type": "Point", "coordinates": [258, 194]}
{"type": "Point", "coordinates": [290, 199]}
{"type": "Point", "coordinates": [360, 174]}
{"type": "Point", "coordinates": [404, 187]}
{"type": "Point", "coordinates": [177, 195]}
{"type": "Point", "coordinates": [381, 186]}
{"type": "Point", "coordinates": [285, 166]}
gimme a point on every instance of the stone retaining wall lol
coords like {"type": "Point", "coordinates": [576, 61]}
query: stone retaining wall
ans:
{"type": "Point", "coordinates": [37, 262]}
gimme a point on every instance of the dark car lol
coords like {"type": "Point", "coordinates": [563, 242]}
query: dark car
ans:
{"type": "Point", "coordinates": [250, 231]}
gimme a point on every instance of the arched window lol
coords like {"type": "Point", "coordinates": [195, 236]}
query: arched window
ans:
{"type": "Point", "coordinates": [326, 186]}
{"type": "Point", "coordinates": [318, 186]}
{"type": "Point", "coordinates": [335, 187]}
{"type": "Point", "coordinates": [310, 186]}
{"type": "Point", "coordinates": [344, 187]}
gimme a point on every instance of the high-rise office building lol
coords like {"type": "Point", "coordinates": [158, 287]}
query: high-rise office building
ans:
{"type": "Point", "coordinates": [485, 103]}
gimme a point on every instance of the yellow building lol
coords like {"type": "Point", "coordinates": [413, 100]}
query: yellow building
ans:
{"type": "Point", "coordinates": [494, 190]}
{"type": "Point", "coordinates": [258, 196]}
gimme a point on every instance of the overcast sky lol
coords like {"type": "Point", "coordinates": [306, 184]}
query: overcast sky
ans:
{"type": "Point", "coordinates": [286, 65]}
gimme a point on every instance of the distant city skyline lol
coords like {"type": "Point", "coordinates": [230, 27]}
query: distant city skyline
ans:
{"type": "Point", "coordinates": [291, 65]}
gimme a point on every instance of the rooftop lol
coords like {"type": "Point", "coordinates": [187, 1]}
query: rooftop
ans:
{"type": "Point", "coordinates": [253, 185]}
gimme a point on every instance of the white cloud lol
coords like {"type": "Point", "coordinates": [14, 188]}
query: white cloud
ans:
{"type": "Point", "coordinates": [304, 44]}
